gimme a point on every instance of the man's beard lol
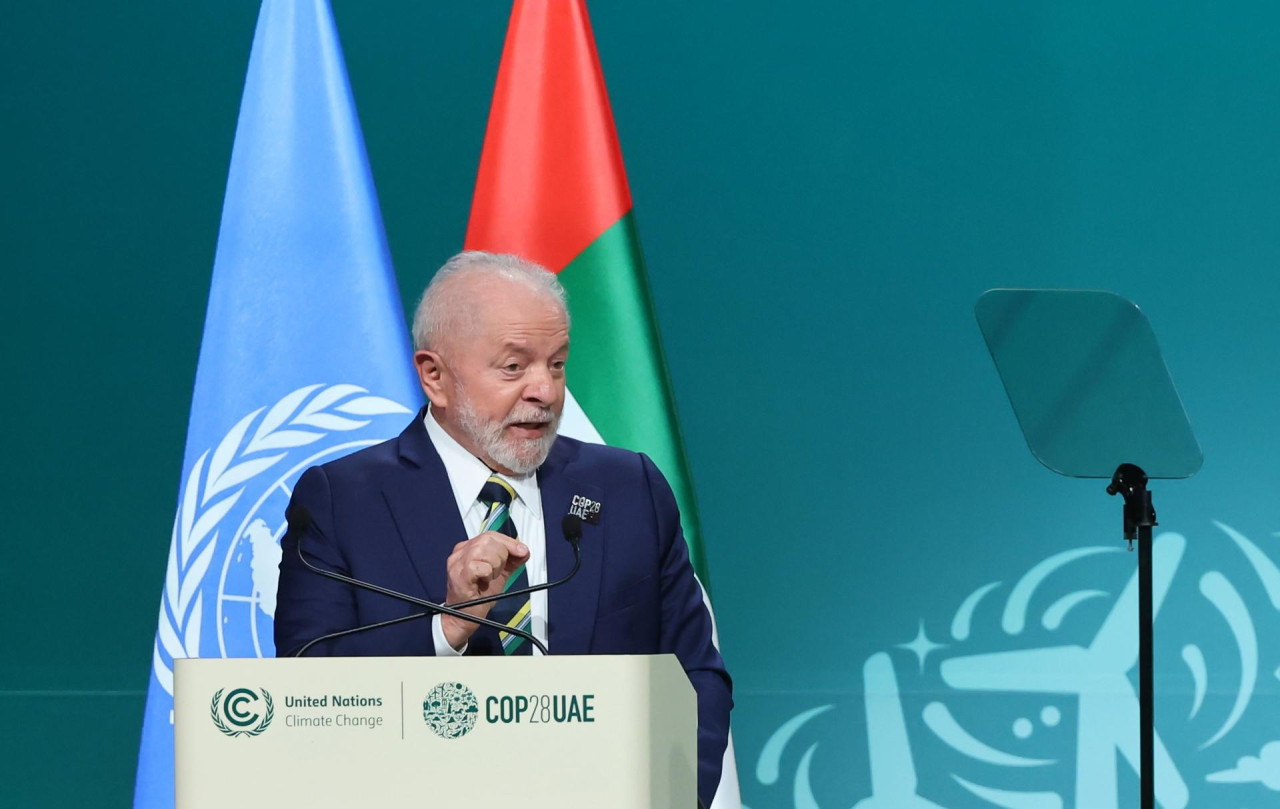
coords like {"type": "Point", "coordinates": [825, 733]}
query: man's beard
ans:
{"type": "Point", "coordinates": [520, 455]}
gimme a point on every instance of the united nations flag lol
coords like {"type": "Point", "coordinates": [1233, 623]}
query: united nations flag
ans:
{"type": "Point", "coordinates": [305, 355]}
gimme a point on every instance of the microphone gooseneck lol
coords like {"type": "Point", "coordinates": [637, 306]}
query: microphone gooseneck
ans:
{"type": "Point", "coordinates": [306, 522]}
{"type": "Point", "coordinates": [300, 519]}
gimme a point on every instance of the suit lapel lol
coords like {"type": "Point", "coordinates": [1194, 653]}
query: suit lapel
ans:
{"type": "Point", "coordinates": [426, 516]}
{"type": "Point", "coordinates": [425, 512]}
{"type": "Point", "coordinates": [572, 607]}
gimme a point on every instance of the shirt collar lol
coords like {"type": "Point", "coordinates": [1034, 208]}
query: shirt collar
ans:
{"type": "Point", "coordinates": [467, 473]}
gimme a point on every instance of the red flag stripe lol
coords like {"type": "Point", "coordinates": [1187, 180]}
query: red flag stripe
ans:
{"type": "Point", "coordinates": [551, 177]}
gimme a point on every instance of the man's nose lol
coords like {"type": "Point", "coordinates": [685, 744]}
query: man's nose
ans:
{"type": "Point", "coordinates": [539, 385]}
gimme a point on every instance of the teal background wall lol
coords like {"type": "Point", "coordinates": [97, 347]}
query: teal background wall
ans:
{"type": "Point", "coordinates": [822, 191]}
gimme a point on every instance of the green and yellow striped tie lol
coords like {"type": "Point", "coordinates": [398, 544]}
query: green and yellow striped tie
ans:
{"type": "Point", "coordinates": [496, 495]}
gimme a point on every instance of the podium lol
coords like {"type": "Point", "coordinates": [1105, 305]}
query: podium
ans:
{"type": "Point", "coordinates": [589, 731]}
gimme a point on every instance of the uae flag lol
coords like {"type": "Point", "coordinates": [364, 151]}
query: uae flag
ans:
{"type": "Point", "coordinates": [552, 188]}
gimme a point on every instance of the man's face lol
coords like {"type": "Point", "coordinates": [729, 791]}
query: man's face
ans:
{"type": "Point", "coordinates": [500, 385]}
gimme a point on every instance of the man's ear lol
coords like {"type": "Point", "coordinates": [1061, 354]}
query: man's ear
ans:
{"type": "Point", "coordinates": [431, 375]}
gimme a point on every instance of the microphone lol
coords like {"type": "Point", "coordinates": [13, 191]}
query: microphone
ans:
{"type": "Point", "coordinates": [571, 527]}
{"type": "Point", "coordinates": [300, 519]}
{"type": "Point", "coordinates": [302, 516]}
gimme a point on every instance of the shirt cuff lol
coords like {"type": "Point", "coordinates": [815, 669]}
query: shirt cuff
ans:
{"type": "Point", "coordinates": [443, 649]}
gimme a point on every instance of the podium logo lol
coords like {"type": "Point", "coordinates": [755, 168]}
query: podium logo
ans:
{"type": "Point", "coordinates": [450, 710]}
{"type": "Point", "coordinates": [243, 712]}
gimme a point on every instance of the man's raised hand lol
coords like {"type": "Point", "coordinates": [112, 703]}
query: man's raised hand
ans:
{"type": "Point", "coordinates": [478, 567]}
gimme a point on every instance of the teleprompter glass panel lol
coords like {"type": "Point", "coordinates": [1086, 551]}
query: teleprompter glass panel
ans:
{"type": "Point", "coordinates": [1087, 382]}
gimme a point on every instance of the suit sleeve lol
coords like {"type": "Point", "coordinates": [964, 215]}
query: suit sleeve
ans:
{"type": "Point", "coordinates": [686, 632]}
{"type": "Point", "coordinates": [308, 605]}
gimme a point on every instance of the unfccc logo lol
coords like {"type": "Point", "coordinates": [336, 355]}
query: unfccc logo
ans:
{"type": "Point", "coordinates": [242, 712]}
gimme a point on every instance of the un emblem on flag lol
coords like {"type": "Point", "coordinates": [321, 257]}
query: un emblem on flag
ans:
{"type": "Point", "coordinates": [450, 710]}
{"type": "Point", "coordinates": [225, 553]}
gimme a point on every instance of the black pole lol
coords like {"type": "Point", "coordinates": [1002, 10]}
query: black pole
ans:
{"type": "Point", "coordinates": [1146, 675]}
{"type": "Point", "coordinates": [1139, 518]}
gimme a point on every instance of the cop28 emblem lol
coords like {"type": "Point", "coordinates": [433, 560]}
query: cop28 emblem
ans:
{"type": "Point", "coordinates": [243, 712]}
{"type": "Point", "coordinates": [1026, 697]}
{"type": "Point", "coordinates": [220, 587]}
{"type": "Point", "coordinates": [450, 710]}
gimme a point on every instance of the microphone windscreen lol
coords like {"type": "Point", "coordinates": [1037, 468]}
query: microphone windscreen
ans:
{"type": "Point", "coordinates": [571, 525]}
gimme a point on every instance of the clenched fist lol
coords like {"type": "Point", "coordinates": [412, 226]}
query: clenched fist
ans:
{"type": "Point", "coordinates": [478, 567]}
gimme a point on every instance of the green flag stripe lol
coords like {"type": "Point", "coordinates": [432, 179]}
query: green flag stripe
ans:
{"type": "Point", "coordinates": [616, 367]}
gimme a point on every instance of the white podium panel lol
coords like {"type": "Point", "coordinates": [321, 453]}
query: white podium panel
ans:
{"type": "Point", "coordinates": [524, 732]}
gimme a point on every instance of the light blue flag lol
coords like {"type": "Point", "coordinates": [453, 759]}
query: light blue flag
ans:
{"type": "Point", "coordinates": [305, 355]}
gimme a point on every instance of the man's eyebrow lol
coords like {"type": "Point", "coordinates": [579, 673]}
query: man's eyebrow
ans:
{"type": "Point", "coordinates": [524, 350]}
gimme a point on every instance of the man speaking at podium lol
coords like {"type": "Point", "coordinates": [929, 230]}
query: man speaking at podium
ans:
{"type": "Point", "coordinates": [469, 501]}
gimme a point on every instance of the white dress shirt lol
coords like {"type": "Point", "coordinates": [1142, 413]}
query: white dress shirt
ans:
{"type": "Point", "coordinates": [467, 475]}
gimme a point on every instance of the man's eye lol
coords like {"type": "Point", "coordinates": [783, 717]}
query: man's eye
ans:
{"type": "Point", "coordinates": [511, 367]}
{"type": "Point", "coordinates": [557, 365]}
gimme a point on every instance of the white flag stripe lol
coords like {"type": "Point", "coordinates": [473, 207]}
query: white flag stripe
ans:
{"type": "Point", "coordinates": [575, 423]}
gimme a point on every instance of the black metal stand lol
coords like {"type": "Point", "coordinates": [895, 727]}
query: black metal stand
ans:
{"type": "Point", "coordinates": [1130, 482]}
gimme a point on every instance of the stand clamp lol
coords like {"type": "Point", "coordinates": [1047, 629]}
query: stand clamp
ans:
{"type": "Point", "coordinates": [1130, 482]}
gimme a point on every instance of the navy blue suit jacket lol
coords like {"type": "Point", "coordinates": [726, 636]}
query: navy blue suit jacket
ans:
{"type": "Point", "coordinates": [387, 515]}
